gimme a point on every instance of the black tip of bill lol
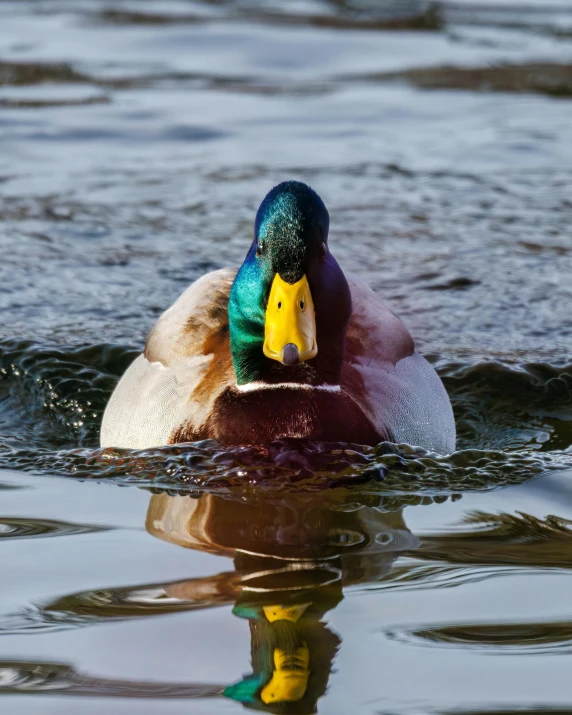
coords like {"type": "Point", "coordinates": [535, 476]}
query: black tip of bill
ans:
{"type": "Point", "coordinates": [290, 355]}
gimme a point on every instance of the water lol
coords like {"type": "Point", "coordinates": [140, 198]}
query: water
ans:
{"type": "Point", "coordinates": [137, 140]}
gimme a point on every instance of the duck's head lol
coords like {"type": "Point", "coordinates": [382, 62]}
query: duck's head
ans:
{"type": "Point", "coordinates": [290, 303]}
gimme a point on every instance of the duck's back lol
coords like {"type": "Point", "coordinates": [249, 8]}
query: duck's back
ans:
{"type": "Point", "coordinates": [185, 374]}
{"type": "Point", "coordinates": [397, 388]}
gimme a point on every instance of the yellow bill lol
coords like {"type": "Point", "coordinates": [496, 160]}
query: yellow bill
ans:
{"type": "Point", "coordinates": [290, 328]}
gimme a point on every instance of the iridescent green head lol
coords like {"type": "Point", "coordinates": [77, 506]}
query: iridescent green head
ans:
{"type": "Point", "coordinates": [281, 302]}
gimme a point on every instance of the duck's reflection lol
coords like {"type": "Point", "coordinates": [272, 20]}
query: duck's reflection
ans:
{"type": "Point", "coordinates": [292, 557]}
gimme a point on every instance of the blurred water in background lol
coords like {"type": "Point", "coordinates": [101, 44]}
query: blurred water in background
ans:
{"type": "Point", "coordinates": [136, 142]}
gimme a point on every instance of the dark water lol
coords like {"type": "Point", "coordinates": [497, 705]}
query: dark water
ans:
{"type": "Point", "coordinates": [136, 141]}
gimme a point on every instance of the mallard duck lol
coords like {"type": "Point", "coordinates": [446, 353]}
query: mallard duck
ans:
{"type": "Point", "coordinates": [284, 347]}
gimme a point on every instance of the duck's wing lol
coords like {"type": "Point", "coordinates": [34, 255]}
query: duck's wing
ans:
{"type": "Point", "coordinates": [396, 387]}
{"type": "Point", "coordinates": [186, 364]}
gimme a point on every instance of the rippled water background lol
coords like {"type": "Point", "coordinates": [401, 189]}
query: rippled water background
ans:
{"type": "Point", "coordinates": [136, 141]}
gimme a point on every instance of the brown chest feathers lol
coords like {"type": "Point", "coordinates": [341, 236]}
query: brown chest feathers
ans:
{"type": "Point", "coordinates": [255, 416]}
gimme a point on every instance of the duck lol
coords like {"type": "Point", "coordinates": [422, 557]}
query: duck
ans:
{"type": "Point", "coordinates": [285, 346]}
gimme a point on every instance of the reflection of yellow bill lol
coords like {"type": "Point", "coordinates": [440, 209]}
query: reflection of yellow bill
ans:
{"type": "Point", "coordinates": [290, 320]}
{"type": "Point", "coordinates": [285, 613]}
{"type": "Point", "coordinates": [290, 677]}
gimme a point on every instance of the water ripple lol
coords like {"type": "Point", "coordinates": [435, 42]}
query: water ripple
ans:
{"type": "Point", "coordinates": [35, 677]}
{"type": "Point", "coordinates": [550, 638]}
{"type": "Point", "coordinates": [417, 577]}
{"type": "Point", "coordinates": [550, 78]}
{"type": "Point", "coordinates": [28, 528]}
{"type": "Point", "coordinates": [388, 469]}
{"type": "Point", "coordinates": [87, 608]}
{"type": "Point", "coordinates": [484, 546]}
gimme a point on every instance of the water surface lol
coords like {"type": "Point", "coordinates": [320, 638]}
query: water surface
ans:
{"type": "Point", "coordinates": [137, 140]}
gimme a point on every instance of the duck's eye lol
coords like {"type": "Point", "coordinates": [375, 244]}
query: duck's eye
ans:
{"type": "Point", "coordinates": [323, 248]}
{"type": "Point", "coordinates": [301, 305]}
{"type": "Point", "coordinates": [279, 304]}
{"type": "Point", "coordinates": [260, 248]}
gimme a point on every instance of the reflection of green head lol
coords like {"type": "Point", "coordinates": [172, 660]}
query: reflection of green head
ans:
{"type": "Point", "coordinates": [292, 650]}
